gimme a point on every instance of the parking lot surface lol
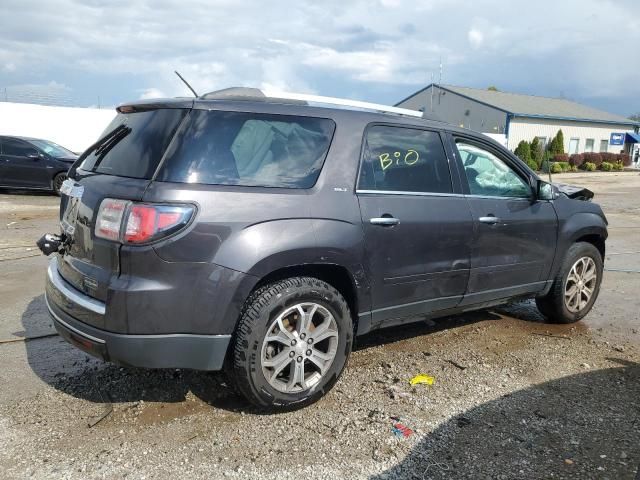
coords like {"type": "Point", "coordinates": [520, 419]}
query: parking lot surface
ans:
{"type": "Point", "coordinates": [513, 397]}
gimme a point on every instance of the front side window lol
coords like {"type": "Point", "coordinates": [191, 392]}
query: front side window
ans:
{"type": "Point", "coordinates": [403, 159]}
{"type": "Point", "coordinates": [250, 149]}
{"type": "Point", "coordinates": [488, 175]}
{"type": "Point", "coordinates": [16, 148]}
{"type": "Point", "coordinates": [52, 149]}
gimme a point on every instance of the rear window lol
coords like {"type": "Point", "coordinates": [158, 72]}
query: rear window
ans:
{"type": "Point", "coordinates": [237, 148]}
{"type": "Point", "coordinates": [136, 144]}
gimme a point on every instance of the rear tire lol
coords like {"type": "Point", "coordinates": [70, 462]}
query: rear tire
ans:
{"type": "Point", "coordinates": [275, 361]}
{"type": "Point", "coordinates": [58, 180]}
{"type": "Point", "coordinates": [575, 287]}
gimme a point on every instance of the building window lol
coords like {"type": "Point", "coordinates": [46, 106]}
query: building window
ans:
{"type": "Point", "coordinates": [542, 141]}
{"type": "Point", "coordinates": [574, 144]}
{"type": "Point", "coordinates": [604, 145]}
{"type": "Point", "coordinates": [588, 145]}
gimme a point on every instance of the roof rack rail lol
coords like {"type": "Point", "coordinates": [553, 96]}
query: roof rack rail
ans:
{"type": "Point", "coordinates": [255, 94]}
{"type": "Point", "coordinates": [341, 102]}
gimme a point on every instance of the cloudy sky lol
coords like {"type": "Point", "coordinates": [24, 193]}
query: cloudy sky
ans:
{"type": "Point", "coordinates": [85, 52]}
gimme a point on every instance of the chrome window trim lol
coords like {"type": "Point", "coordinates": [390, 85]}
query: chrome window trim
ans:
{"type": "Point", "coordinates": [435, 194]}
{"type": "Point", "coordinates": [497, 197]}
{"type": "Point", "coordinates": [84, 301]}
{"type": "Point", "coordinates": [420, 194]}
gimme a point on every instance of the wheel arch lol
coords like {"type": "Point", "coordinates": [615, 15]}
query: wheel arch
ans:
{"type": "Point", "coordinates": [338, 276]}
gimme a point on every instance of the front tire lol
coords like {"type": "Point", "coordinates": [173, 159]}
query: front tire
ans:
{"type": "Point", "coordinates": [58, 180]}
{"type": "Point", "coordinates": [292, 343]}
{"type": "Point", "coordinates": [576, 286]}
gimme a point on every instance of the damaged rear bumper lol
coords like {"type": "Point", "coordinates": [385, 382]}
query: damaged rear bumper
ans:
{"type": "Point", "coordinates": [192, 351]}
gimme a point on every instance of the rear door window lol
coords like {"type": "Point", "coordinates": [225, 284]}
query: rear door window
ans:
{"type": "Point", "coordinates": [237, 148]}
{"type": "Point", "coordinates": [401, 159]}
{"type": "Point", "coordinates": [134, 143]}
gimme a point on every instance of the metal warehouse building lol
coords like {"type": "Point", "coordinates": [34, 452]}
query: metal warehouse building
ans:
{"type": "Point", "coordinates": [513, 117]}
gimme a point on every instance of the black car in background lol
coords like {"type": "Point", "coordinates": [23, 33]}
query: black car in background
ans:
{"type": "Point", "coordinates": [32, 163]}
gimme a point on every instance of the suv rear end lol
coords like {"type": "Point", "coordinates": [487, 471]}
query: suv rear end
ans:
{"type": "Point", "coordinates": [145, 275]}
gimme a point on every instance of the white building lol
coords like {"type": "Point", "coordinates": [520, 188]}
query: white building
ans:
{"type": "Point", "coordinates": [73, 128]}
{"type": "Point", "coordinates": [523, 117]}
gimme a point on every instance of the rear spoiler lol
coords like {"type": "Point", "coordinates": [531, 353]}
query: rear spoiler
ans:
{"type": "Point", "coordinates": [155, 104]}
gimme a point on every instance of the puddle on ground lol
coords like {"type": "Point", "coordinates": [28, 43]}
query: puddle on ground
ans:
{"type": "Point", "coordinates": [151, 413]}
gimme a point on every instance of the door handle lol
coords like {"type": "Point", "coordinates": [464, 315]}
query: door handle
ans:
{"type": "Point", "coordinates": [491, 220]}
{"type": "Point", "coordinates": [384, 221]}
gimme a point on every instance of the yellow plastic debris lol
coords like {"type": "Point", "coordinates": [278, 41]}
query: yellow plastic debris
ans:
{"type": "Point", "coordinates": [422, 379]}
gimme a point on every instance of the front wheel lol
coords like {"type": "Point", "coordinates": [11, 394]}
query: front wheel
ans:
{"type": "Point", "coordinates": [58, 180]}
{"type": "Point", "coordinates": [576, 286]}
{"type": "Point", "coordinates": [292, 343]}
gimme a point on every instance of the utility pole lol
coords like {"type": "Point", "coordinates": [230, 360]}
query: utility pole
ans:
{"type": "Point", "coordinates": [432, 88]}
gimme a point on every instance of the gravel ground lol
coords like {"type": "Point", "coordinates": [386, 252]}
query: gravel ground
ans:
{"type": "Point", "coordinates": [512, 398]}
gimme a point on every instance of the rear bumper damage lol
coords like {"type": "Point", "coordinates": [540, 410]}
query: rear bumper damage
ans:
{"type": "Point", "coordinates": [177, 350]}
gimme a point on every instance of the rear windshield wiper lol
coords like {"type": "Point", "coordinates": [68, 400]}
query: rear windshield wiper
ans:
{"type": "Point", "coordinates": [118, 135]}
{"type": "Point", "coordinates": [102, 141]}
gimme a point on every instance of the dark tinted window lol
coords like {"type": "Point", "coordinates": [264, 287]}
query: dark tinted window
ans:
{"type": "Point", "coordinates": [404, 160]}
{"type": "Point", "coordinates": [136, 145]}
{"type": "Point", "coordinates": [233, 148]}
{"type": "Point", "coordinates": [16, 147]}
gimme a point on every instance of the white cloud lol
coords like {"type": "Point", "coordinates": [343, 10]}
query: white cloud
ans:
{"type": "Point", "coordinates": [476, 37]}
{"type": "Point", "coordinates": [332, 47]}
{"type": "Point", "coordinates": [152, 92]}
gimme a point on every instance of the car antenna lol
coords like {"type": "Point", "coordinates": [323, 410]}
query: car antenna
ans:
{"type": "Point", "coordinates": [186, 83]}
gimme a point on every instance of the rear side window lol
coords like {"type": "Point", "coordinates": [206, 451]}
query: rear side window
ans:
{"type": "Point", "coordinates": [237, 148]}
{"type": "Point", "coordinates": [133, 143]}
{"type": "Point", "coordinates": [403, 159]}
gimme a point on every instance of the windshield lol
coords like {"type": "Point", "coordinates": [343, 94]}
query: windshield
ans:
{"type": "Point", "coordinates": [133, 143]}
{"type": "Point", "coordinates": [53, 149]}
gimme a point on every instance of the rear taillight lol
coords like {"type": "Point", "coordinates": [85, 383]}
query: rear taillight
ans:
{"type": "Point", "coordinates": [130, 222]}
{"type": "Point", "coordinates": [109, 221]}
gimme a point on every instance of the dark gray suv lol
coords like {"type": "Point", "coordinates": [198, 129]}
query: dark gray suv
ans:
{"type": "Point", "coordinates": [262, 235]}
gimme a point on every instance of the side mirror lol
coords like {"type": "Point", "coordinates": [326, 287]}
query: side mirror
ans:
{"type": "Point", "coordinates": [545, 191]}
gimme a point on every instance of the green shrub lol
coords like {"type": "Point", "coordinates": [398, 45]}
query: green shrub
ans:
{"type": "Point", "coordinates": [625, 159]}
{"type": "Point", "coordinates": [537, 151]}
{"type": "Point", "coordinates": [565, 166]}
{"type": "Point", "coordinates": [593, 157]}
{"type": "Point", "coordinates": [606, 166]}
{"type": "Point", "coordinates": [573, 168]}
{"type": "Point", "coordinates": [523, 151]}
{"type": "Point", "coordinates": [533, 165]}
{"type": "Point", "coordinates": [589, 167]}
{"type": "Point", "coordinates": [618, 166]}
{"type": "Point", "coordinates": [556, 167]}
{"type": "Point", "coordinates": [556, 146]}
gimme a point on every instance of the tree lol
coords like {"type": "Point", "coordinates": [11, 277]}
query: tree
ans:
{"type": "Point", "coordinates": [635, 117]}
{"type": "Point", "coordinates": [492, 88]}
{"type": "Point", "coordinates": [537, 151]}
{"type": "Point", "coordinates": [556, 146]}
{"type": "Point", "coordinates": [523, 151]}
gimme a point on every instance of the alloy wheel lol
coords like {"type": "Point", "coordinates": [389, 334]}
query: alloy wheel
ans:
{"type": "Point", "coordinates": [299, 347]}
{"type": "Point", "coordinates": [580, 284]}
